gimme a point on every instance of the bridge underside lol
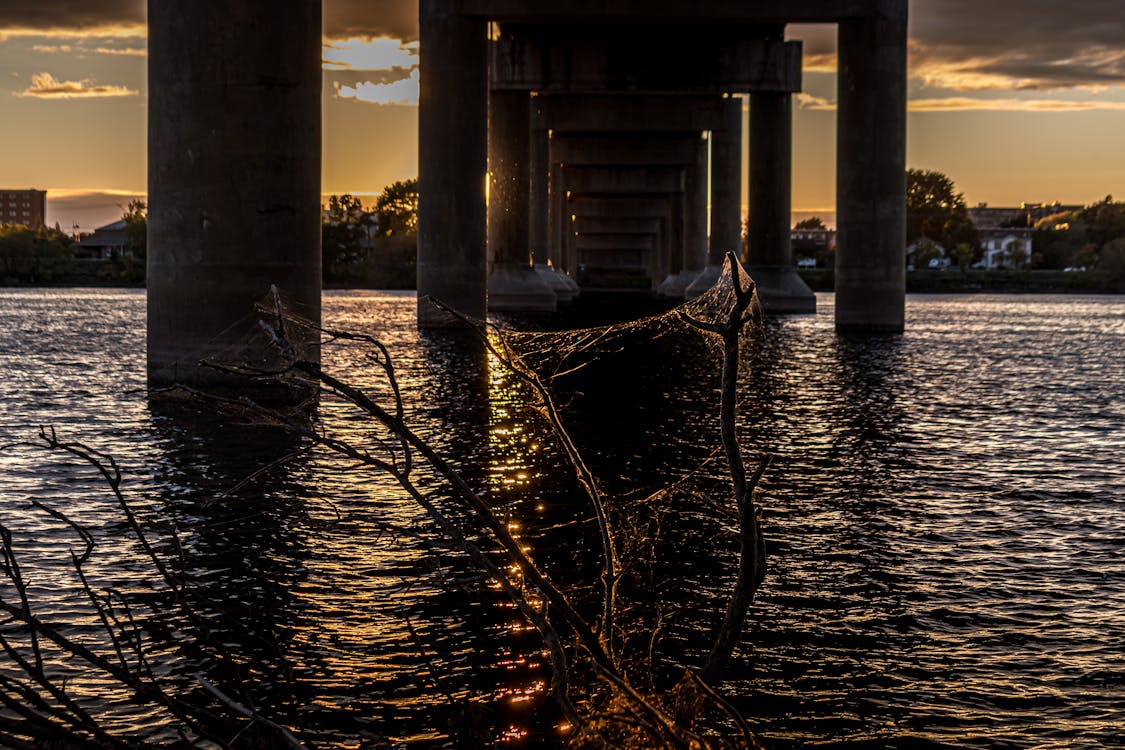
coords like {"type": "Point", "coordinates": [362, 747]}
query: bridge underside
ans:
{"type": "Point", "coordinates": [234, 153]}
{"type": "Point", "coordinates": [617, 76]}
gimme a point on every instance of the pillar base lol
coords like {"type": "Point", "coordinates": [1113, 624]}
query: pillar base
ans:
{"type": "Point", "coordinates": [782, 291]}
{"type": "Point", "coordinates": [517, 287]}
{"type": "Point", "coordinates": [676, 284]}
{"type": "Point", "coordinates": [565, 288]}
{"type": "Point", "coordinates": [703, 281]}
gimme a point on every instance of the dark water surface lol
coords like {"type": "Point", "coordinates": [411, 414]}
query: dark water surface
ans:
{"type": "Point", "coordinates": [945, 513]}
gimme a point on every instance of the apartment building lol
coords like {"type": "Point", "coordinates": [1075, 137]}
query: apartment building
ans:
{"type": "Point", "coordinates": [27, 207]}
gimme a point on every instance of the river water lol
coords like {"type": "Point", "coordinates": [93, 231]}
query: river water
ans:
{"type": "Point", "coordinates": [945, 513]}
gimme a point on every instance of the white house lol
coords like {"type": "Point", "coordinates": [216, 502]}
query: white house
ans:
{"type": "Point", "coordinates": [924, 246]}
{"type": "Point", "coordinates": [1000, 244]}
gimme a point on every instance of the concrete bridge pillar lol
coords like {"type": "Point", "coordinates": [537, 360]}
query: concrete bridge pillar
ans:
{"type": "Point", "coordinates": [871, 172]}
{"type": "Point", "coordinates": [513, 284]}
{"type": "Point", "coordinates": [540, 183]}
{"type": "Point", "coordinates": [452, 161]}
{"type": "Point", "coordinates": [695, 226]}
{"type": "Point", "coordinates": [726, 196]}
{"type": "Point", "coordinates": [233, 178]}
{"type": "Point", "coordinates": [780, 289]}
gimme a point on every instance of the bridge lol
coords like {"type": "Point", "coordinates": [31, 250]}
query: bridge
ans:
{"type": "Point", "coordinates": [602, 126]}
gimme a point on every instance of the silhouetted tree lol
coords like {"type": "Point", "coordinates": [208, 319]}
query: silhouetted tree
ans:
{"type": "Point", "coordinates": [813, 222]}
{"type": "Point", "coordinates": [345, 236]}
{"type": "Point", "coordinates": [397, 208]}
{"type": "Point", "coordinates": [31, 256]}
{"type": "Point", "coordinates": [136, 240]}
{"type": "Point", "coordinates": [935, 209]}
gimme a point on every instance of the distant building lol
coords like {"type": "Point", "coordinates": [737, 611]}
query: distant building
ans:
{"type": "Point", "coordinates": [1022, 216]}
{"type": "Point", "coordinates": [811, 246]}
{"type": "Point", "coordinates": [106, 243]}
{"type": "Point", "coordinates": [26, 207]}
{"type": "Point", "coordinates": [926, 253]}
{"type": "Point", "coordinates": [999, 245]}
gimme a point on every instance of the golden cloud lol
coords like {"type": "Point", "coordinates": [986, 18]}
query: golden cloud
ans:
{"type": "Point", "coordinates": [966, 104]}
{"type": "Point", "coordinates": [46, 86]}
{"type": "Point", "coordinates": [969, 104]}
{"type": "Point", "coordinates": [115, 31]}
{"type": "Point", "coordinates": [69, 49]}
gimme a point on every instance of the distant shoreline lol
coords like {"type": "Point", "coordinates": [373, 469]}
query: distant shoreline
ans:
{"type": "Point", "coordinates": [819, 280]}
{"type": "Point", "coordinates": [989, 282]}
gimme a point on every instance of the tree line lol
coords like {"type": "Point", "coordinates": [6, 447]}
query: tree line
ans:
{"type": "Point", "coordinates": [1089, 238]}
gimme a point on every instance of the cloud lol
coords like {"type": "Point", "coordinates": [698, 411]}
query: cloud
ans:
{"type": "Point", "coordinates": [1021, 44]}
{"type": "Point", "coordinates": [956, 44]}
{"type": "Point", "coordinates": [969, 45]}
{"type": "Point", "coordinates": [81, 49]}
{"type": "Point", "coordinates": [815, 103]}
{"type": "Point", "coordinates": [401, 92]}
{"type": "Point", "coordinates": [46, 86]}
{"type": "Point", "coordinates": [968, 104]}
{"type": "Point", "coordinates": [357, 53]}
{"type": "Point", "coordinates": [397, 19]}
{"type": "Point", "coordinates": [343, 19]}
{"type": "Point", "coordinates": [961, 104]}
{"type": "Point", "coordinates": [73, 15]}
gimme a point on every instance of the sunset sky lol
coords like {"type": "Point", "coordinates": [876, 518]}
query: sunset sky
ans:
{"type": "Point", "coordinates": [1016, 100]}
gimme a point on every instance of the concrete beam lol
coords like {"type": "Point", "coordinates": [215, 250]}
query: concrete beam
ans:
{"type": "Point", "coordinates": [635, 180]}
{"type": "Point", "coordinates": [451, 170]}
{"type": "Point", "coordinates": [870, 173]}
{"type": "Point", "coordinates": [631, 113]}
{"type": "Point", "coordinates": [586, 225]}
{"type": "Point", "coordinates": [234, 130]}
{"type": "Point", "coordinates": [678, 11]}
{"type": "Point", "coordinates": [646, 242]}
{"type": "Point", "coordinates": [622, 150]}
{"type": "Point", "coordinates": [596, 59]}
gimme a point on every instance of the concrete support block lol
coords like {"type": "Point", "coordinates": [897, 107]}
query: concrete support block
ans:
{"type": "Point", "coordinates": [871, 172]}
{"type": "Point", "coordinates": [704, 281]}
{"type": "Point", "coordinates": [452, 161]}
{"type": "Point", "coordinates": [234, 132]}
{"type": "Point", "coordinates": [518, 287]}
{"type": "Point", "coordinates": [782, 291]}
{"type": "Point", "coordinates": [564, 287]}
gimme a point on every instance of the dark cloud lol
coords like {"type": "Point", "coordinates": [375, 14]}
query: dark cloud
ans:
{"type": "Point", "coordinates": [1029, 44]}
{"type": "Point", "coordinates": [957, 43]}
{"type": "Point", "coordinates": [1003, 44]}
{"type": "Point", "coordinates": [71, 14]}
{"type": "Point", "coordinates": [342, 18]}
{"type": "Point", "coordinates": [393, 18]}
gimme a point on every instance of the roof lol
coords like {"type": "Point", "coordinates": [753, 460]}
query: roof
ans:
{"type": "Point", "coordinates": [111, 235]}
